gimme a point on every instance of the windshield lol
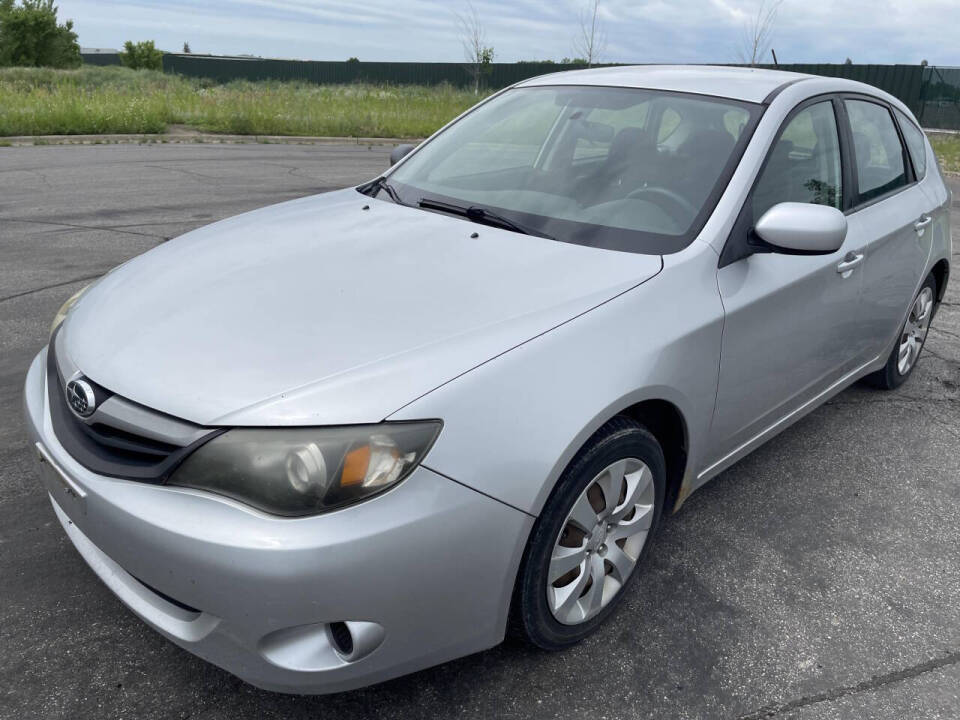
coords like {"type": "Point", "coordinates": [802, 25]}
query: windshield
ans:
{"type": "Point", "coordinates": [618, 168]}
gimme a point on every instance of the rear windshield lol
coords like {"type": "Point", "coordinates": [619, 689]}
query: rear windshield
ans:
{"type": "Point", "coordinates": [618, 168]}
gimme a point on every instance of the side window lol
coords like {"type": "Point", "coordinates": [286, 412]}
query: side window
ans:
{"type": "Point", "coordinates": [592, 145]}
{"type": "Point", "coordinates": [877, 149]}
{"type": "Point", "coordinates": [669, 122]}
{"type": "Point", "coordinates": [804, 163]}
{"type": "Point", "coordinates": [915, 143]}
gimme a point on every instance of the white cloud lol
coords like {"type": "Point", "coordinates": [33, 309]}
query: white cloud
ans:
{"type": "Point", "coordinates": [877, 31]}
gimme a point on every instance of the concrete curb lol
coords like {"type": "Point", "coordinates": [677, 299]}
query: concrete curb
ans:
{"type": "Point", "coordinates": [190, 137]}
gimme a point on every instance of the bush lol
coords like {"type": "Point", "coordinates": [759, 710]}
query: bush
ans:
{"type": "Point", "coordinates": [31, 37]}
{"type": "Point", "coordinates": [141, 56]}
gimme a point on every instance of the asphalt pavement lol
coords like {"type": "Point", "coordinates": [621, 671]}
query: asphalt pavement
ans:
{"type": "Point", "coordinates": [817, 578]}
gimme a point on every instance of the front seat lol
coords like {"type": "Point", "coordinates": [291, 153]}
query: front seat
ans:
{"type": "Point", "coordinates": [706, 152]}
{"type": "Point", "coordinates": [625, 163]}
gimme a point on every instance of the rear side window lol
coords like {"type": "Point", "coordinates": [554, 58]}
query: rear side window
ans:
{"type": "Point", "coordinates": [877, 148]}
{"type": "Point", "coordinates": [915, 143]}
{"type": "Point", "coordinates": [804, 163]}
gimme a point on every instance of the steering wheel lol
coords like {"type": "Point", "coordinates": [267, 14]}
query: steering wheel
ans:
{"type": "Point", "coordinates": [677, 202]}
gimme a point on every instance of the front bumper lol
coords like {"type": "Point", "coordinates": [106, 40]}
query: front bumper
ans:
{"type": "Point", "coordinates": [421, 574]}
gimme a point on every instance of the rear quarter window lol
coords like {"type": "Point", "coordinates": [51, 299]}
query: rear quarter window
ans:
{"type": "Point", "coordinates": [916, 144]}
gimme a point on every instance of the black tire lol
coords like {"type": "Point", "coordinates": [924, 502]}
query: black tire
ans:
{"type": "Point", "coordinates": [889, 376]}
{"type": "Point", "coordinates": [532, 618]}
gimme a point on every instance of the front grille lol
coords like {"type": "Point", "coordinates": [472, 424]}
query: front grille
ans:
{"type": "Point", "coordinates": [125, 444]}
{"type": "Point", "coordinates": [106, 449]}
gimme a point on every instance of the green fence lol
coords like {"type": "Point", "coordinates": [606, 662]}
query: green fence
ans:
{"type": "Point", "coordinates": [100, 58]}
{"type": "Point", "coordinates": [940, 99]}
{"type": "Point", "coordinates": [902, 81]}
{"type": "Point", "coordinates": [498, 75]}
{"type": "Point", "coordinates": [932, 93]}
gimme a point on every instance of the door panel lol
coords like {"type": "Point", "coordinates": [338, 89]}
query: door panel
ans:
{"type": "Point", "coordinates": [788, 318]}
{"type": "Point", "coordinates": [785, 338]}
{"type": "Point", "coordinates": [894, 229]}
{"type": "Point", "coordinates": [896, 254]}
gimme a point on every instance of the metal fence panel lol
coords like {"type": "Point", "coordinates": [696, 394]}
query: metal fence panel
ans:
{"type": "Point", "coordinates": [940, 100]}
{"type": "Point", "coordinates": [327, 72]}
{"type": "Point", "coordinates": [902, 81]}
{"type": "Point", "coordinates": [100, 58]}
{"type": "Point", "coordinates": [932, 93]}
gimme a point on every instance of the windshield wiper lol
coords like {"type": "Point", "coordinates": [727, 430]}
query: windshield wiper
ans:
{"type": "Point", "coordinates": [373, 188]}
{"type": "Point", "coordinates": [480, 214]}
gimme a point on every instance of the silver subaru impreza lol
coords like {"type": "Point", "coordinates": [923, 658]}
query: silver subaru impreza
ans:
{"type": "Point", "coordinates": [347, 437]}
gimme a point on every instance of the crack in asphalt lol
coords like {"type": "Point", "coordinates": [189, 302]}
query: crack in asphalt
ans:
{"type": "Point", "coordinates": [84, 227]}
{"type": "Point", "coordinates": [944, 332]}
{"type": "Point", "coordinates": [874, 683]}
{"type": "Point", "coordinates": [942, 423]}
{"type": "Point", "coordinates": [190, 173]}
{"type": "Point", "coordinates": [43, 179]}
{"type": "Point", "coordinates": [49, 287]}
{"type": "Point", "coordinates": [938, 355]}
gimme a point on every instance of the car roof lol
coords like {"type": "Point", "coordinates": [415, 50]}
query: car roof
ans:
{"type": "Point", "coordinates": [738, 83]}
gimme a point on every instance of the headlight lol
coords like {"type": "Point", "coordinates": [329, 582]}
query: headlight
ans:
{"type": "Point", "coordinates": [306, 471]}
{"type": "Point", "coordinates": [68, 306]}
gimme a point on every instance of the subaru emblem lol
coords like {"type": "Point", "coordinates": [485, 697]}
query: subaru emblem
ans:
{"type": "Point", "coordinates": [81, 398]}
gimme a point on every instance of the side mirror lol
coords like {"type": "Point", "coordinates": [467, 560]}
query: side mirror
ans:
{"type": "Point", "coordinates": [802, 228]}
{"type": "Point", "coordinates": [400, 152]}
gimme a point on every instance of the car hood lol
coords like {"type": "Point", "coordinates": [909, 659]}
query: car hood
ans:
{"type": "Point", "coordinates": [331, 309]}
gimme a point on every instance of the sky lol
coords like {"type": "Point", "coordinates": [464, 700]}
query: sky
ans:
{"type": "Point", "coordinates": [642, 31]}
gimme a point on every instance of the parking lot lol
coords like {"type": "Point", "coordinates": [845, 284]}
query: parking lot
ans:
{"type": "Point", "coordinates": [817, 578]}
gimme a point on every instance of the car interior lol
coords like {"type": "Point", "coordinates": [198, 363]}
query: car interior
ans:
{"type": "Point", "coordinates": [631, 159]}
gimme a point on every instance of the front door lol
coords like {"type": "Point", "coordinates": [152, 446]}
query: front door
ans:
{"type": "Point", "coordinates": [788, 318]}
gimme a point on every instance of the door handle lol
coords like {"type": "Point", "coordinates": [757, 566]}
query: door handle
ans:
{"type": "Point", "coordinates": [922, 223]}
{"type": "Point", "coordinates": [851, 261]}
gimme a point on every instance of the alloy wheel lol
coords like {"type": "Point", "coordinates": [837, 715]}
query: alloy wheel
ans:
{"type": "Point", "coordinates": [915, 331]}
{"type": "Point", "coordinates": [600, 541]}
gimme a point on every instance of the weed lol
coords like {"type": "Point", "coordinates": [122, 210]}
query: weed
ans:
{"type": "Point", "coordinates": [97, 100]}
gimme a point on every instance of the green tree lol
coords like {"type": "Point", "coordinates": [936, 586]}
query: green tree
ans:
{"type": "Point", "coordinates": [31, 37]}
{"type": "Point", "coordinates": [141, 56]}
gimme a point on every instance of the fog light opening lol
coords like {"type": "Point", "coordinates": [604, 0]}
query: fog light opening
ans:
{"type": "Point", "coordinates": [342, 638]}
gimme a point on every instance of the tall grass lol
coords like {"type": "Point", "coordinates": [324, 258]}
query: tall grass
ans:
{"type": "Point", "coordinates": [947, 148]}
{"type": "Point", "coordinates": [94, 100]}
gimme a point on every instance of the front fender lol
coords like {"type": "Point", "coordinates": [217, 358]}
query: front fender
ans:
{"type": "Point", "coordinates": [513, 424]}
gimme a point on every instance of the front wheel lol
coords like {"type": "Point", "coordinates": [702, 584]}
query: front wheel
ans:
{"type": "Point", "coordinates": [593, 532]}
{"type": "Point", "coordinates": [913, 335]}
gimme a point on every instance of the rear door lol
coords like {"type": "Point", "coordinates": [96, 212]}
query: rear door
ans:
{"type": "Point", "coordinates": [929, 179]}
{"type": "Point", "coordinates": [788, 318]}
{"type": "Point", "coordinates": [892, 214]}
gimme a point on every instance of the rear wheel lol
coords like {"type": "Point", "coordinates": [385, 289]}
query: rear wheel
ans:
{"type": "Point", "coordinates": [592, 534]}
{"type": "Point", "coordinates": [913, 335]}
